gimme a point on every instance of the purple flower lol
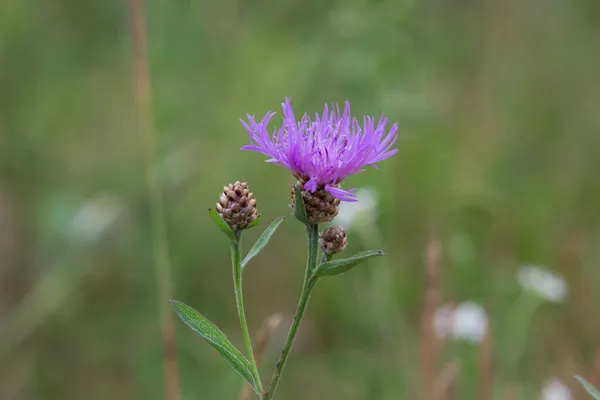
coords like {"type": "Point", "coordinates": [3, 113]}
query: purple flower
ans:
{"type": "Point", "coordinates": [325, 151]}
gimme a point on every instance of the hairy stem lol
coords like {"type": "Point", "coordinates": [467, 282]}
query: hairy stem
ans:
{"type": "Point", "coordinates": [312, 235]}
{"type": "Point", "coordinates": [236, 262]}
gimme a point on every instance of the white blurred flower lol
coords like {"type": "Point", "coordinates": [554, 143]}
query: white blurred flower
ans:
{"type": "Point", "coordinates": [95, 217]}
{"type": "Point", "coordinates": [443, 321]}
{"type": "Point", "coordinates": [543, 282]}
{"type": "Point", "coordinates": [555, 389]}
{"type": "Point", "coordinates": [468, 321]}
{"type": "Point", "coordinates": [359, 213]}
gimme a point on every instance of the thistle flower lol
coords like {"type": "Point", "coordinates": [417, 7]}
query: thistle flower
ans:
{"type": "Point", "coordinates": [324, 152]}
{"type": "Point", "coordinates": [333, 240]}
{"type": "Point", "coordinates": [237, 205]}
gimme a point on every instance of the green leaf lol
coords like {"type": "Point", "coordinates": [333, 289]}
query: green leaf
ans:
{"type": "Point", "coordinates": [216, 339]}
{"type": "Point", "coordinates": [330, 268]}
{"type": "Point", "coordinates": [262, 241]}
{"type": "Point", "coordinates": [222, 224]}
{"type": "Point", "coordinates": [592, 391]}
{"type": "Point", "coordinates": [299, 208]}
{"type": "Point", "coordinates": [254, 223]}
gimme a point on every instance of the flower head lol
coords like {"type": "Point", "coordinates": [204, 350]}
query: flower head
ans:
{"type": "Point", "coordinates": [237, 206]}
{"type": "Point", "coordinates": [324, 152]}
{"type": "Point", "coordinates": [333, 240]}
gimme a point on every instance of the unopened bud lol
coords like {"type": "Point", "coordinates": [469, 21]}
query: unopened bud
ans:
{"type": "Point", "coordinates": [333, 240]}
{"type": "Point", "coordinates": [237, 205]}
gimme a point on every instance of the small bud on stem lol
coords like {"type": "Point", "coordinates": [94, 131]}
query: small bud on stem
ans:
{"type": "Point", "coordinates": [333, 240]}
{"type": "Point", "coordinates": [237, 206]}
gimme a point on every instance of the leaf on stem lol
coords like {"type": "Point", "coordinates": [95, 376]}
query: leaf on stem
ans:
{"type": "Point", "coordinates": [592, 391]}
{"type": "Point", "coordinates": [299, 208]}
{"type": "Point", "coordinates": [216, 339]}
{"type": "Point", "coordinates": [335, 267]}
{"type": "Point", "coordinates": [262, 240]}
{"type": "Point", "coordinates": [254, 223]}
{"type": "Point", "coordinates": [222, 224]}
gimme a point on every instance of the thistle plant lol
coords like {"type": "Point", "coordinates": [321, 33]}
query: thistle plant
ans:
{"type": "Point", "coordinates": [321, 154]}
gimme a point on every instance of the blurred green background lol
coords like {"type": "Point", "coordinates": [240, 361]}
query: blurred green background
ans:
{"type": "Point", "coordinates": [499, 153]}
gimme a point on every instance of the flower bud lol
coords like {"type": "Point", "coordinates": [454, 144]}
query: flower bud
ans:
{"type": "Point", "coordinates": [333, 240]}
{"type": "Point", "coordinates": [237, 206]}
{"type": "Point", "coordinates": [320, 206]}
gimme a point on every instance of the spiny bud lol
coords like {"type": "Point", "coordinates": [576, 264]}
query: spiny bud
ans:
{"type": "Point", "coordinates": [237, 205]}
{"type": "Point", "coordinates": [320, 206]}
{"type": "Point", "coordinates": [333, 240]}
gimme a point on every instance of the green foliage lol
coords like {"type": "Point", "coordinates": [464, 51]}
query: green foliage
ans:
{"type": "Point", "coordinates": [262, 241]}
{"type": "Point", "coordinates": [223, 226]}
{"type": "Point", "coordinates": [255, 222]}
{"type": "Point", "coordinates": [592, 391]}
{"type": "Point", "coordinates": [497, 105]}
{"type": "Point", "coordinates": [213, 336]}
{"type": "Point", "coordinates": [299, 208]}
{"type": "Point", "coordinates": [335, 267]}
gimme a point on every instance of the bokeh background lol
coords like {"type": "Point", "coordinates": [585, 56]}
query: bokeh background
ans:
{"type": "Point", "coordinates": [499, 153]}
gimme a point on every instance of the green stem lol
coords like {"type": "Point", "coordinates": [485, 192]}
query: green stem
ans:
{"type": "Point", "coordinates": [236, 261]}
{"type": "Point", "coordinates": [312, 235]}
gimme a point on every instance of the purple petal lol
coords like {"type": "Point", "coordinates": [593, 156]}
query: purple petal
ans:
{"type": "Point", "coordinates": [344, 195]}
{"type": "Point", "coordinates": [311, 185]}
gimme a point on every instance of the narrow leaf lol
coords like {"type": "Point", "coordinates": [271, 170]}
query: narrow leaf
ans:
{"type": "Point", "coordinates": [592, 391]}
{"type": "Point", "coordinates": [299, 208]}
{"type": "Point", "coordinates": [334, 267]}
{"type": "Point", "coordinates": [254, 223]}
{"type": "Point", "coordinates": [262, 240]}
{"type": "Point", "coordinates": [216, 339]}
{"type": "Point", "coordinates": [221, 224]}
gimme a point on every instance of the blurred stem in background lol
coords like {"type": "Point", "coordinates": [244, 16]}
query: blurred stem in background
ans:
{"type": "Point", "coordinates": [430, 345]}
{"type": "Point", "coordinates": [263, 337]}
{"type": "Point", "coordinates": [161, 252]}
{"type": "Point", "coordinates": [385, 315]}
{"type": "Point", "coordinates": [522, 317]}
{"type": "Point", "coordinates": [52, 292]}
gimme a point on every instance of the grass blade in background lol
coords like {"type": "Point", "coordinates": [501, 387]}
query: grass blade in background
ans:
{"type": "Point", "coordinates": [589, 388]}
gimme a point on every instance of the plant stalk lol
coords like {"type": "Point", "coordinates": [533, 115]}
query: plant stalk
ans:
{"type": "Point", "coordinates": [160, 246]}
{"type": "Point", "coordinates": [236, 262]}
{"type": "Point", "coordinates": [312, 236]}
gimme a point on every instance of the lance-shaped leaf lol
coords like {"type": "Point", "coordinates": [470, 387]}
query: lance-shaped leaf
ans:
{"type": "Point", "coordinates": [216, 339]}
{"type": "Point", "coordinates": [299, 207]}
{"type": "Point", "coordinates": [262, 241]}
{"type": "Point", "coordinates": [221, 224]}
{"type": "Point", "coordinates": [254, 223]}
{"type": "Point", "coordinates": [335, 267]}
{"type": "Point", "coordinates": [592, 391]}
